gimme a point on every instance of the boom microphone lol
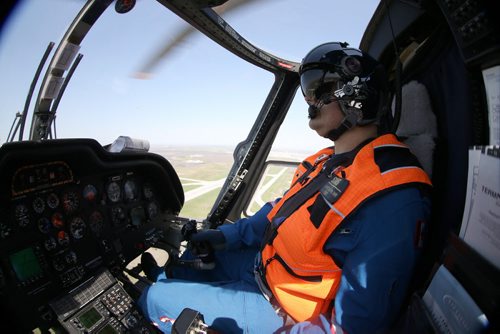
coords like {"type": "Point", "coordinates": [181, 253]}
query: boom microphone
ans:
{"type": "Point", "coordinates": [313, 111]}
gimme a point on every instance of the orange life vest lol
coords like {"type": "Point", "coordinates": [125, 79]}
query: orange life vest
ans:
{"type": "Point", "coordinates": [302, 278]}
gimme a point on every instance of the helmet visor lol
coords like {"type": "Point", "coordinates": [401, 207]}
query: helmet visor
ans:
{"type": "Point", "coordinates": [312, 80]}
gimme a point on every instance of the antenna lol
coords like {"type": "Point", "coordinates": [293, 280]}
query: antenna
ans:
{"type": "Point", "coordinates": [16, 120]}
{"type": "Point", "coordinates": [61, 62]}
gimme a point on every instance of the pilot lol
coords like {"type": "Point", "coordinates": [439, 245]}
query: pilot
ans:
{"type": "Point", "coordinates": [337, 252]}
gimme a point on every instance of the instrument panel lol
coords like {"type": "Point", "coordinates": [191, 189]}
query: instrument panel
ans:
{"type": "Point", "coordinates": [69, 220]}
{"type": "Point", "coordinates": [69, 209]}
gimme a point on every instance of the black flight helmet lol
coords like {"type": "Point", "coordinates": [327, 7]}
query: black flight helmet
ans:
{"type": "Point", "coordinates": [336, 72]}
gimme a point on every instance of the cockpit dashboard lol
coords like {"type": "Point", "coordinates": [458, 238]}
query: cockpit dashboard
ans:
{"type": "Point", "coordinates": [72, 216]}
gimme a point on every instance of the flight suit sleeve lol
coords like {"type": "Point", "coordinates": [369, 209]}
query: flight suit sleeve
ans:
{"type": "Point", "coordinates": [247, 232]}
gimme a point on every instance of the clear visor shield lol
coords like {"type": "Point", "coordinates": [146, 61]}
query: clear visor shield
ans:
{"type": "Point", "coordinates": [312, 80]}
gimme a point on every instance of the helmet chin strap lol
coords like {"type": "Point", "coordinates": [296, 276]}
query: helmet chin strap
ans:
{"type": "Point", "coordinates": [351, 119]}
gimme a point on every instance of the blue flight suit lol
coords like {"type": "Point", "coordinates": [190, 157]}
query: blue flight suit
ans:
{"type": "Point", "coordinates": [377, 248]}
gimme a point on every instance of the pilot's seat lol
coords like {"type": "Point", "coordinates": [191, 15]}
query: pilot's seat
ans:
{"type": "Point", "coordinates": [417, 128]}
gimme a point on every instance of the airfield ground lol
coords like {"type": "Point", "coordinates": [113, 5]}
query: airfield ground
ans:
{"type": "Point", "coordinates": [203, 170]}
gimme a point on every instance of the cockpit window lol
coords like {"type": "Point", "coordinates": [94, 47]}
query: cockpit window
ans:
{"type": "Point", "coordinates": [146, 74]}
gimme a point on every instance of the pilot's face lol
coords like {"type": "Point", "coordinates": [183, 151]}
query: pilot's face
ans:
{"type": "Point", "coordinates": [329, 117]}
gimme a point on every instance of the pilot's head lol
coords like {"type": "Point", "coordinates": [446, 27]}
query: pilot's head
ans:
{"type": "Point", "coordinates": [344, 88]}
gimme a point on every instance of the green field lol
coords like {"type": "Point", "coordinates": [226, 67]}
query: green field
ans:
{"type": "Point", "coordinates": [194, 164]}
{"type": "Point", "coordinates": [277, 189]}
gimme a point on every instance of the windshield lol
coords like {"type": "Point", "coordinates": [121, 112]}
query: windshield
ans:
{"type": "Point", "coordinates": [197, 101]}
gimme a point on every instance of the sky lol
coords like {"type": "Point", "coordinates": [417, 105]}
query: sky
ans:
{"type": "Point", "coordinates": [199, 94]}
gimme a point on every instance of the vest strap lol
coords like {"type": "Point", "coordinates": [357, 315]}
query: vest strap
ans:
{"type": "Point", "coordinates": [300, 197]}
{"type": "Point", "coordinates": [318, 211]}
{"type": "Point", "coordinates": [309, 190]}
{"type": "Point", "coordinates": [294, 202]}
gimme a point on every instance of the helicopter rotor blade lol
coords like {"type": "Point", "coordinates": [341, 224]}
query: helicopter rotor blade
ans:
{"type": "Point", "coordinates": [148, 67]}
{"type": "Point", "coordinates": [146, 70]}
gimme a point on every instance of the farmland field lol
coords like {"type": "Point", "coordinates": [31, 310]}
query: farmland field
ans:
{"type": "Point", "coordinates": [202, 171]}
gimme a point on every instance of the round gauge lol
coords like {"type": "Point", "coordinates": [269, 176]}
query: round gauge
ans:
{"type": "Point", "coordinates": [70, 201]}
{"type": "Point", "coordinates": [77, 228]}
{"type": "Point", "coordinates": [62, 238]}
{"type": "Point", "coordinates": [113, 191]}
{"type": "Point", "coordinates": [130, 189]}
{"type": "Point", "coordinates": [152, 210]}
{"type": "Point", "coordinates": [132, 321]}
{"type": "Point", "coordinates": [44, 225]}
{"type": "Point", "coordinates": [118, 216]}
{"type": "Point", "coordinates": [50, 244]}
{"type": "Point", "coordinates": [58, 264]}
{"type": "Point", "coordinates": [57, 220]}
{"type": "Point", "coordinates": [22, 215]}
{"type": "Point", "coordinates": [70, 257]}
{"type": "Point", "coordinates": [89, 192]}
{"type": "Point", "coordinates": [52, 201]}
{"type": "Point", "coordinates": [96, 222]}
{"type": "Point", "coordinates": [147, 190]}
{"type": "Point", "coordinates": [38, 205]}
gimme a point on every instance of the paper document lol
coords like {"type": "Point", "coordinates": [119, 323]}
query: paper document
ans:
{"type": "Point", "coordinates": [66, 55]}
{"type": "Point", "coordinates": [491, 78]}
{"type": "Point", "coordinates": [481, 220]}
{"type": "Point", "coordinates": [52, 88]}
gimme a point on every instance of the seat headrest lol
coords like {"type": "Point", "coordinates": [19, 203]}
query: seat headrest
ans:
{"type": "Point", "coordinates": [416, 112]}
{"type": "Point", "coordinates": [418, 124]}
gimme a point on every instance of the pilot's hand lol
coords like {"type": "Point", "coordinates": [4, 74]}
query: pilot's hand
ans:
{"type": "Point", "coordinates": [215, 238]}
